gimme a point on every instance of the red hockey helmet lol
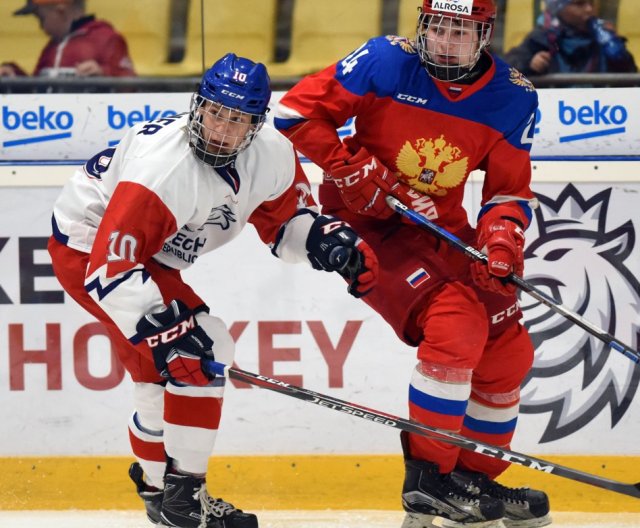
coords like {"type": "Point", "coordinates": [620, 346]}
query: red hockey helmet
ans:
{"type": "Point", "coordinates": [478, 10]}
{"type": "Point", "coordinates": [452, 34]}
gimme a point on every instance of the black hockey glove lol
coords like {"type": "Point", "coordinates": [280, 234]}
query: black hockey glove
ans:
{"type": "Point", "coordinates": [332, 245]}
{"type": "Point", "coordinates": [178, 344]}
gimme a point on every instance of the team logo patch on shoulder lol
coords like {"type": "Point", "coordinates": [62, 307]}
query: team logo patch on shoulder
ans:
{"type": "Point", "coordinates": [418, 277]}
{"type": "Point", "coordinates": [406, 45]}
{"type": "Point", "coordinates": [517, 78]}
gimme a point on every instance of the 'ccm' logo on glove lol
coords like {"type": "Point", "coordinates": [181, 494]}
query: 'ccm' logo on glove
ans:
{"type": "Point", "coordinates": [349, 180]}
{"type": "Point", "coordinates": [332, 245]}
{"type": "Point", "coordinates": [332, 226]}
{"type": "Point", "coordinates": [178, 344]}
{"type": "Point", "coordinates": [167, 336]}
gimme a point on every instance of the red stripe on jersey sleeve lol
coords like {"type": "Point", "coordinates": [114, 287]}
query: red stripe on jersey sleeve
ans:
{"type": "Point", "coordinates": [326, 105]}
{"type": "Point", "coordinates": [133, 229]}
{"type": "Point", "coordinates": [269, 216]}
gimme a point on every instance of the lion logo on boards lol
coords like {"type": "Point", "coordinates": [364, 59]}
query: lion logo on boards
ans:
{"type": "Point", "coordinates": [584, 257]}
{"type": "Point", "coordinates": [432, 166]}
{"type": "Point", "coordinates": [517, 78]}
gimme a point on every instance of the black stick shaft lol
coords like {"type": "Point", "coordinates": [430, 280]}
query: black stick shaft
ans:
{"type": "Point", "coordinates": [633, 490]}
{"type": "Point", "coordinates": [524, 285]}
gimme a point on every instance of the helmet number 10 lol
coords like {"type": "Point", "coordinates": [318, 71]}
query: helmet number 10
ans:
{"type": "Point", "coordinates": [240, 76]}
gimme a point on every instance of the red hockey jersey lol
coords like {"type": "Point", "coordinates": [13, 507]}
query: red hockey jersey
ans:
{"type": "Point", "coordinates": [431, 134]}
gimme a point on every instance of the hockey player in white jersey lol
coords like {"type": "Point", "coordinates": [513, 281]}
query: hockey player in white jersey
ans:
{"type": "Point", "coordinates": [134, 216]}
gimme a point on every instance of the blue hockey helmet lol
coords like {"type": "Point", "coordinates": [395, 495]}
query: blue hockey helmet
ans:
{"type": "Point", "coordinates": [234, 92]}
{"type": "Point", "coordinates": [238, 83]}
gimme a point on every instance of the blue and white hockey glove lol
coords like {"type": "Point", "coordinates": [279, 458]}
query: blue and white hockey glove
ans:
{"type": "Point", "coordinates": [332, 245]}
{"type": "Point", "coordinates": [178, 344]}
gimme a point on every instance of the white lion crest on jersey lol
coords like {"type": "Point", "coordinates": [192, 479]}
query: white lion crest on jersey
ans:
{"type": "Point", "coordinates": [583, 263]}
{"type": "Point", "coordinates": [222, 216]}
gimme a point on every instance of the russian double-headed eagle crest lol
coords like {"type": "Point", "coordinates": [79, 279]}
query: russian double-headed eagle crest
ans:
{"type": "Point", "coordinates": [517, 78]}
{"type": "Point", "coordinates": [432, 166]}
{"type": "Point", "coordinates": [406, 45]}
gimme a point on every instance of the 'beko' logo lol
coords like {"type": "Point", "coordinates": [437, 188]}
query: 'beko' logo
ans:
{"type": "Point", "coordinates": [40, 120]}
{"type": "Point", "coordinates": [607, 117]}
{"type": "Point", "coordinates": [119, 119]}
{"type": "Point", "coordinates": [459, 7]}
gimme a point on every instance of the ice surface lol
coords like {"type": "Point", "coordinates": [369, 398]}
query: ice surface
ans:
{"type": "Point", "coordinates": [283, 519]}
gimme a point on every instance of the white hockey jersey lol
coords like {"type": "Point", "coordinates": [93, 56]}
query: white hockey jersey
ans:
{"type": "Point", "coordinates": [151, 198]}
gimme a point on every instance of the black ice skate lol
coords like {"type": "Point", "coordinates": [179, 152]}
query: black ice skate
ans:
{"type": "Point", "coordinates": [428, 494]}
{"type": "Point", "coordinates": [152, 497]}
{"type": "Point", "coordinates": [524, 507]}
{"type": "Point", "coordinates": [187, 504]}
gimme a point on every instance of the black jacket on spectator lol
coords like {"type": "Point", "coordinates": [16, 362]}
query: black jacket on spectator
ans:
{"type": "Point", "coordinates": [571, 51]}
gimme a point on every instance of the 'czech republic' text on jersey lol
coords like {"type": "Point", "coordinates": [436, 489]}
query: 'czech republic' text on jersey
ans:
{"type": "Point", "coordinates": [432, 134]}
{"type": "Point", "coordinates": [151, 198]}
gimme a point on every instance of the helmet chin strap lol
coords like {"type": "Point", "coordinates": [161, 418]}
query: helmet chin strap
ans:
{"type": "Point", "coordinates": [215, 160]}
{"type": "Point", "coordinates": [467, 75]}
{"type": "Point", "coordinates": [442, 73]}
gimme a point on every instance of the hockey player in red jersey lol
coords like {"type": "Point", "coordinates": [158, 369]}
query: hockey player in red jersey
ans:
{"type": "Point", "coordinates": [428, 112]}
{"type": "Point", "coordinates": [134, 216]}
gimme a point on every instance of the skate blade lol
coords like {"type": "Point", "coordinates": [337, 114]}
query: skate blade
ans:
{"type": "Point", "coordinates": [497, 523]}
{"type": "Point", "coordinates": [537, 522]}
{"type": "Point", "coordinates": [416, 520]}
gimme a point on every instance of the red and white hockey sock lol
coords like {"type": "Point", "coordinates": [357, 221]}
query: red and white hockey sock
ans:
{"type": "Point", "coordinates": [145, 431]}
{"type": "Point", "coordinates": [438, 397]}
{"type": "Point", "coordinates": [490, 418]}
{"type": "Point", "coordinates": [148, 447]}
{"type": "Point", "coordinates": [191, 420]}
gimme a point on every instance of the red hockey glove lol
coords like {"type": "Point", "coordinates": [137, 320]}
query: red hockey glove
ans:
{"type": "Point", "coordinates": [178, 344]}
{"type": "Point", "coordinates": [332, 245]}
{"type": "Point", "coordinates": [502, 241]}
{"type": "Point", "coordinates": [364, 183]}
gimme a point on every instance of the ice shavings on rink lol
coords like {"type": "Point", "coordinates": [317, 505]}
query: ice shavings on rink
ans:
{"type": "Point", "coordinates": [284, 519]}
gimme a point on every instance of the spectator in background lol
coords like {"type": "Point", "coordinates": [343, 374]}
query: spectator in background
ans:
{"type": "Point", "coordinates": [569, 38]}
{"type": "Point", "coordinates": [79, 45]}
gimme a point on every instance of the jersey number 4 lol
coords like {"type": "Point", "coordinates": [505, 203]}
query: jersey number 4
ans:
{"type": "Point", "coordinates": [351, 61]}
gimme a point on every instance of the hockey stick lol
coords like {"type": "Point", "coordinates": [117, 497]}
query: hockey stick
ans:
{"type": "Point", "coordinates": [524, 285]}
{"type": "Point", "coordinates": [633, 490]}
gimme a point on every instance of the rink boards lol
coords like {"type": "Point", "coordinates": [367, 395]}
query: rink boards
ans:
{"type": "Point", "coordinates": [304, 482]}
{"type": "Point", "coordinates": [74, 400]}
{"type": "Point", "coordinates": [65, 402]}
